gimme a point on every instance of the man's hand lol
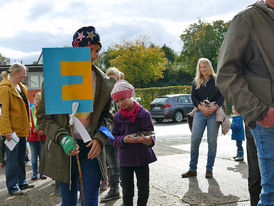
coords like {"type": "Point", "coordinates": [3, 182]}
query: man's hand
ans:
{"type": "Point", "coordinates": [95, 149]}
{"type": "Point", "coordinates": [75, 151]}
{"type": "Point", "coordinates": [68, 146]}
{"type": "Point", "coordinates": [2, 165]}
{"type": "Point", "coordinates": [268, 119]}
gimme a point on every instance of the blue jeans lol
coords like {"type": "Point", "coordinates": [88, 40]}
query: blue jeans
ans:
{"type": "Point", "coordinates": [91, 179]}
{"type": "Point", "coordinates": [36, 151]}
{"type": "Point", "coordinates": [15, 166]}
{"type": "Point", "coordinates": [57, 188]}
{"type": "Point", "coordinates": [112, 163]}
{"type": "Point", "coordinates": [239, 144]}
{"type": "Point", "coordinates": [264, 139]}
{"type": "Point", "coordinates": [200, 122]}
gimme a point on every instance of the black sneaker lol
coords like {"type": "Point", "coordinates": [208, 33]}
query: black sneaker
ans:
{"type": "Point", "coordinates": [111, 195]}
{"type": "Point", "coordinates": [239, 159]}
{"type": "Point", "coordinates": [27, 186]}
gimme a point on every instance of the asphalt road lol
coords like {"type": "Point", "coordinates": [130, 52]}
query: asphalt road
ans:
{"type": "Point", "coordinates": [167, 188]}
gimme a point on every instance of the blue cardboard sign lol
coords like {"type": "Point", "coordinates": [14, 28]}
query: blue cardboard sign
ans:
{"type": "Point", "coordinates": [67, 79]}
{"type": "Point", "coordinates": [106, 132]}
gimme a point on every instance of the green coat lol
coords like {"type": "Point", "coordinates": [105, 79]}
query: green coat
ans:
{"type": "Point", "coordinates": [55, 163]}
{"type": "Point", "coordinates": [246, 63]}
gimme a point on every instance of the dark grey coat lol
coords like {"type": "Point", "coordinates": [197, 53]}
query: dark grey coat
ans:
{"type": "Point", "coordinates": [246, 63]}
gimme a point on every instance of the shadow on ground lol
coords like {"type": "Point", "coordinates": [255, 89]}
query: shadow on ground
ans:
{"type": "Point", "coordinates": [214, 196]}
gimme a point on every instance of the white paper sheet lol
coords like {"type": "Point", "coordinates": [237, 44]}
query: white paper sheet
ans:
{"type": "Point", "coordinates": [78, 125]}
{"type": "Point", "coordinates": [81, 129]}
{"type": "Point", "coordinates": [13, 142]}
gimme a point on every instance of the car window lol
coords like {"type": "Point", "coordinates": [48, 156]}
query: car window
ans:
{"type": "Point", "coordinates": [159, 100]}
{"type": "Point", "coordinates": [176, 99]}
{"type": "Point", "coordinates": [189, 99]}
{"type": "Point", "coordinates": [185, 99]}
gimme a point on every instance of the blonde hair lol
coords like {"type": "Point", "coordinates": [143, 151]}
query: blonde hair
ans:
{"type": "Point", "coordinates": [122, 75]}
{"type": "Point", "coordinates": [13, 68]}
{"type": "Point", "coordinates": [37, 94]}
{"type": "Point", "coordinates": [113, 72]}
{"type": "Point", "coordinates": [199, 79]}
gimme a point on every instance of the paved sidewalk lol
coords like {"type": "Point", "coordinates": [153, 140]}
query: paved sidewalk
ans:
{"type": "Point", "coordinates": [167, 188]}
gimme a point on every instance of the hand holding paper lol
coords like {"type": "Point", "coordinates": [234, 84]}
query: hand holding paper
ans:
{"type": "Point", "coordinates": [8, 136]}
{"type": "Point", "coordinates": [12, 142]}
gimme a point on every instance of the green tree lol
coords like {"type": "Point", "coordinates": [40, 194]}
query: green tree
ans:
{"type": "Point", "coordinates": [140, 63]}
{"type": "Point", "coordinates": [104, 60]}
{"type": "Point", "coordinates": [202, 39]}
{"type": "Point", "coordinates": [3, 60]}
{"type": "Point", "coordinates": [174, 73]}
{"type": "Point", "coordinates": [169, 54]}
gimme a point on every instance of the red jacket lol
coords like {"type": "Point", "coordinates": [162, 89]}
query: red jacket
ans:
{"type": "Point", "coordinates": [34, 136]}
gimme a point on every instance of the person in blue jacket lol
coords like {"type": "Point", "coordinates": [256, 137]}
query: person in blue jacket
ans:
{"type": "Point", "coordinates": [238, 134]}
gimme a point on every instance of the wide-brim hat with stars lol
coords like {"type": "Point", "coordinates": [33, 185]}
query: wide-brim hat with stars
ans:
{"type": "Point", "coordinates": [86, 36]}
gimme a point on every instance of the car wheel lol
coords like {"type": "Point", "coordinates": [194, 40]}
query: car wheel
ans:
{"type": "Point", "coordinates": [159, 120]}
{"type": "Point", "coordinates": [178, 116]}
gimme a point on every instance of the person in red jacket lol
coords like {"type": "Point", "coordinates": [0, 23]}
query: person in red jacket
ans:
{"type": "Point", "coordinates": [36, 139]}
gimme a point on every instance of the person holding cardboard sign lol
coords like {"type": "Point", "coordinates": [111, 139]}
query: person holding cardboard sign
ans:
{"type": "Point", "coordinates": [58, 158]}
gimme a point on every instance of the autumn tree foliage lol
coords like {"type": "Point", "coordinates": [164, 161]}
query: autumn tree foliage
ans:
{"type": "Point", "coordinates": [141, 63]}
{"type": "Point", "coordinates": [202, 39]}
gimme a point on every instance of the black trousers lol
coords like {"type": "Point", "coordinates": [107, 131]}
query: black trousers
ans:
{"type": "Point", "coordinates": [127, 183]}
{"type": "Point", "coordinates": [2, 149]}
{"type": "Point", "coordinates": [112, 163]}
{"type": "Point", "coordinates": [254, 176]}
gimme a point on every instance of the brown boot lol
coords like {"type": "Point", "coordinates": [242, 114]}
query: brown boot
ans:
{"type": "Point", "coordinates": [189, 173]}
{"type": "Point", "coordinates": [208, 174]}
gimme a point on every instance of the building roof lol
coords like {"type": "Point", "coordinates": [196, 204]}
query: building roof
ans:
{"type": "Point", "coordinates": [31, 68]}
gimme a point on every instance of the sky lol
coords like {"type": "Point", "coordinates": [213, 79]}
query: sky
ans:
{"type": "Point", "coordinates": [27, 26]}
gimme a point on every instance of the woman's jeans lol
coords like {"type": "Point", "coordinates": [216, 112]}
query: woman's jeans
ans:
{"type": "Point", "coordinates": [127, 183]}
{"type": "Point", "coordinates": [15, 166]}
{"type": "Point", "coordinates": [200, 122]}
{"type": "Point", "coordinates": [36, 148]}
{"type": "Point", "coordinates": [264, 139]}
{"type": "Point", "coordinates": [91, 179]}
